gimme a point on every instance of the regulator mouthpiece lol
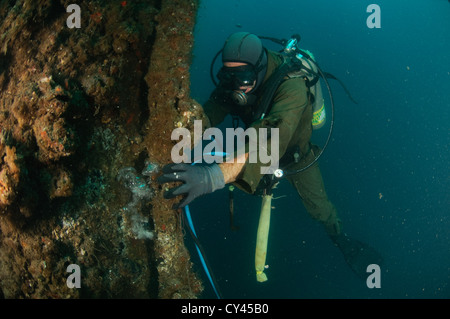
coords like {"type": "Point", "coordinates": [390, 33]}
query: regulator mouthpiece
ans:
{"type": "Point", "coordinates": [239, 98]}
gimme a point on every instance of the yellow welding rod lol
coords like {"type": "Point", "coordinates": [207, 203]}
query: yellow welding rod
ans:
{"type": "Point", "coordinates": [262, 238]}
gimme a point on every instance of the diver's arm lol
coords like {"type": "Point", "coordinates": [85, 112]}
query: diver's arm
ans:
{"type": "Point", "coordinates": [231, 171]}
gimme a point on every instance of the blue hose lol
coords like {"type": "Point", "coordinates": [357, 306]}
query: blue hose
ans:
{"type": "Point", "coordinates": [199, 251]}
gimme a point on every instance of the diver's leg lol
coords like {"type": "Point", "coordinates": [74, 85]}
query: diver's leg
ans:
{"type": "Point", "coordinates": [309, 185]}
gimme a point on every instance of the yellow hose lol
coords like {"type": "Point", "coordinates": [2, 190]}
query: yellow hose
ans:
{"type": "Point", "coordinates": [262, 238]}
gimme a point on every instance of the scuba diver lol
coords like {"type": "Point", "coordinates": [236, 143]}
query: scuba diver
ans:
{"type": "Point", "coordinates": [264, 89]}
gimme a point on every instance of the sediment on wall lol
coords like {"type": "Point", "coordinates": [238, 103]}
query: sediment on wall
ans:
{"type": "Point", "coordinates": [85, 120]}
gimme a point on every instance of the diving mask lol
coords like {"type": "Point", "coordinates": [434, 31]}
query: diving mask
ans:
{"type": "Point", "coordinates": [235, 78]}
{"type": "Point", "coordinates": [237, 82]}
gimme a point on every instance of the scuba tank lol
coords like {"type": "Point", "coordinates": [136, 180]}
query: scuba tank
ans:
{"type": "Point", "coordinates": [318, 105]}
{"type": "Point", "coordinates": [309, 71]}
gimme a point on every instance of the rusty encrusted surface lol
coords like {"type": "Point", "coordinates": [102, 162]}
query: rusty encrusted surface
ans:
{"type": "Point", "coordinates": [82, 110]}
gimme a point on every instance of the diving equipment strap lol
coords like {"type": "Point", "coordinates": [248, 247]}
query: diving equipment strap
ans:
{"type": "Point", "coordinates": [269, 89]}
{"type": "Point", "coordinates": [262, 238]}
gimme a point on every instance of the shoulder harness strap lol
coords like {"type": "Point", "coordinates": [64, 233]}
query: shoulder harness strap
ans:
{"type": "Point", "coordinates": [269, 88]}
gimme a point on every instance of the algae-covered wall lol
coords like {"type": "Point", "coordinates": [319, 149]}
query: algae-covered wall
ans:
{"type": "Point", "coordinates": [85, 117]}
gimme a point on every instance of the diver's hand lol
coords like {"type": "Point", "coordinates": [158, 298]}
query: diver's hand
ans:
{"type": "Point", "coordinates": [197, 180]}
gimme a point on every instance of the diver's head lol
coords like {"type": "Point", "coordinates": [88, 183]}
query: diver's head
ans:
{"type": "Point", "coordinates": [244, 65]}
